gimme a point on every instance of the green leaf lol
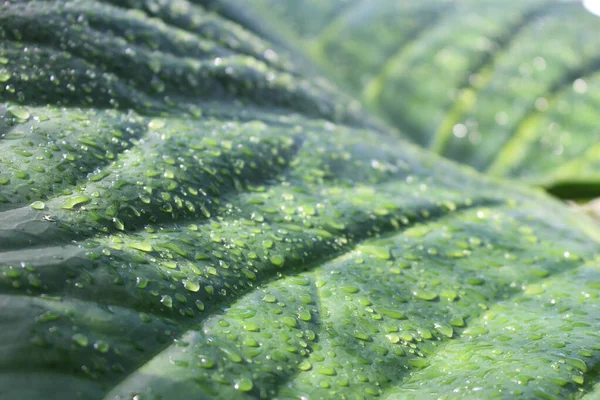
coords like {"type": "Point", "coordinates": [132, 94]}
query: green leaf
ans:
{"type": "Point", "coordinates": [186, 214]}
{"type": "Point", "coordinates": [510, 88]}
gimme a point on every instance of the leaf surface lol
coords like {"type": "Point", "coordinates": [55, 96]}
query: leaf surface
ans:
{"type": "Point", "coordinates": [185, 214]}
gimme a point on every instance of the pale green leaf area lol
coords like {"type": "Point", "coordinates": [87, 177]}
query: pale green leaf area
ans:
{"type": "Point", "coordinates": [509, 87]}
{"type": "Point", "coordinates": [185, 213]}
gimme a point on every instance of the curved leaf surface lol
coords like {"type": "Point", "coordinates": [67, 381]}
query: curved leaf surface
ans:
{"type": "Point", "coordinates": [509, 88]}
{"type": "Point", "coordinates": [185, 215]}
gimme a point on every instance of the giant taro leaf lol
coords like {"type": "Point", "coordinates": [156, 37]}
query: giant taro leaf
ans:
{"type": "Point", "coordinates": [184, 214]}
{"type": "Point", "coordinates": [509, 87]}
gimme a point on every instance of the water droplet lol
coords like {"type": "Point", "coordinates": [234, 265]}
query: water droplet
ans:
{"type": "Point", "coordinates": [118, 224]}
{"type": "Point", "coordinates": [418, 231]}
{"type": "Point", "coordinates": [102, 346]}
{"type": "Point", "coordinates": [577, 363]}
{"type": "Point", "coordinates": [38, 205]}
{"type": "Point", "coordinates": [192, 286]}
{"type": "Point", "coordinates": [424, 294]}
{"type": "Point", "coordinates": [74, 201]}
{"type": "Point", "coordinates": [251, 342]}
{"type": "Point", "coordinates": [141, 282]}
{"type": "Point", "coordinates": [142, 246]}
{"type": "Point", "coordinates": [289, 321]}
{"type": "Point", "coordinates": [156, 124]}
{"type": "Point", "coordinates": [362, 336]}
{"type": "Point", "coordinates": [304, 315]}
{"type": "Point", "coordinates": [418, 363]}
{"type": "Point", "coordinates": [585, 353]}
{"type": "Point", "coordinates": [350, 289]}
{"type": "Point", "coordinates": [251, 327]}
{"type": "Point", "coordinates": [20, 113]}
{"type": "Point", "coordinates": [239, 243]}
{"type": "Point", "coordinates": [534, 289]}
{"type": "Point", "coordinates": [207, 363]}
{"type": "Point", "coordinates": [377, 251]}
{"type": "Point", "coordinates": [244, 385]}
{"type": "Point", "coordinates": [81, 339]}
{"type": "Point", "coordinates": [145, 317]}
{"type": "Point", "coordinates": [4, 76]}
{"type": "Point", "coordinates": [241, 313]}
{"type": "Point", "coordinates": [269, 298]}
{"type": "Point", "coordinates": [233, 356]}
{"type": "Point", "coordinates": [406, 336]}
{"type": "Point", "coordinates": [305, 365]}
{"type": "Point", "coordinates": [444, 329]}
{"type": "Point", "coordinates": [277, 260]}
{"type": "Point", "coordinates": [475, 331]}
{"type": "Point", "coordinates": [328, 371]}
{"type": "Point", "coordinates": [391, 313]}
{"type": "Point", "coordinates": [167, 301]}
{"type": "Point", "coordinates": [393, 338]}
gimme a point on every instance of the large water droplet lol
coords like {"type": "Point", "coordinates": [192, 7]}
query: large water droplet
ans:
{"type": "Point", "coordinates": [38, 205]}
{"type": "Point", "coordinates": [74, 201]}
{"type": "Point", "coordinates": [192, 286]}
{"type": "Point", "coordinates": [244, 385]}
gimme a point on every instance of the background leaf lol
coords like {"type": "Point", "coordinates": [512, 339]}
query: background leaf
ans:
{"type": "Point", "coordinates": [507, 87]}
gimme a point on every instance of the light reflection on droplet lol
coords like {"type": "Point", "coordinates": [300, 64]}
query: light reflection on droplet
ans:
{"type": "Point", "coordinates": [580, 86]}
{"type": "Point", "coordinates": [592, 6]}
{"type": "Point", "coordinates": [460, 130]}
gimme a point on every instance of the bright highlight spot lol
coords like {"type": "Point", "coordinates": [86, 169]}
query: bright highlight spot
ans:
{"type": "Point", "coordinates": [593, 6]}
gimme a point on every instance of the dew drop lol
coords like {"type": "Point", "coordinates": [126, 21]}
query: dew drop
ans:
{"type": "Point", "coordinates": [444, 329]}
{"type": "Point", "coordinates": [305, 365]}
{"type": "Point", "coordinates": [102, 346]}
{"type": "Point", "coordinates": [118, 224]}
{"type": "Point", "coordinates": [304, 315]}
{"type": "Point", "coordinates": [377, 251]}
{"type": "Point", "coordinates": [241, 313]}
{"type": "Point", "coordinates": [167, 301]}
{"type": "Point", "coordinates": [418, 363]}
{"type": "Point", "coordinates": [269, 298]}
{"type": "Point", "coordinates": [328, 371]}
{"type": "Point", "coordinates": [4, 76]}
{"type": "Point", "coordinates": [424, 294]}
{"type": "Point", "coordinates": [81, 339]}
{"type": "Point", "coordinates": [192, 286]}
{"type": "Point", "coordinates": [207, 363]}
{"type": "Point", "coordinates": [277, 260]}
{"type": "Point", "coordinates": [393, 338]}
{"type": "Point", "coordinates": [534, 289]}
{"type": "Point", "coordinates": [156, 124]}
{"type": "Point", "coordinates": [38, 205]}
{"type": "Point", "coordinates": [362, 336]}
{"type": "Point", "coordinates": [142, 246]}
{"type": "Point", "coordinates": [349, 289]}
{"type": "Point", "coordinates": [141, 282]}
{"type": "Point", "coordinates": [20, 113]}
{"type": "Point", "coordinates": [244, 385]}
{"type": "Point", "coordinates": [391, 313]}
{"type": "Point", "coordinates": [75, 201]}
